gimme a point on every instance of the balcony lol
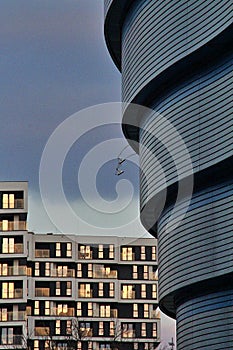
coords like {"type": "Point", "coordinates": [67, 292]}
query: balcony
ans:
{"type": "Point", "coordinates": [61, 313]}
{"type": "Point", "coordinates": [42, 253]}
{"type": "Point", "coordinates": [42, 331]}
{"type": "Point", "coordinates": [14, 271]}
{"type": "Point", "coordinates": [13, 226]}
{"type": "Point", "coordinates": [42, 292]}
{"type": "Point", "coordinates": [85, 293]}
{"type": "Point", "coordinates": [85, 255]}
{"type": "Point", "coordinates": [62, 273]}
{"type": "Point", "coordinates": [105, 274]}
{"type": "Point", "coordinates": [13, 316]}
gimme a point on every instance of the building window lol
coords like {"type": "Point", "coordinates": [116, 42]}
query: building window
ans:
{"type": "Point", "coordinates": [36, 307]}
{"type": "Point", "coordinates": [3, 269]}
{"type": "Point", "coordinates": [79, 270]}
{"type": "Point", "coordinates": [128, 292]}
{"type": "Point", "coordinates": [127, 330]}
{"type": "Point", "coordinates": [47, 269]}
{"type": "Point", "coordinates": [143, 253]}
{"type": "Point", "coordinates": [68, 288]}
{"type": "Point", "coordinates": [112, 329]}
{"type": "Point", "coordinates": [101, 251]}
{"type": "Point", "coordinates": [135, 310]}
{"type": "Point", "coordinates": [146, 272]}
{"type": "Point", "coordinates": [90, 271]}
{"type": "Point", "coordinates": [154, 291]}
{"type": "Point", "coordinates": [146, 310]}
{"type": "Point", "coordinates": [153, 256]}
{"type": "Point", "coordinates": [36, 344]}
{"type": "Point", "coordinates": [101, 289]}
{"type": "Point", "coordinates": [58, 249]}
{"type": "Point", "coordinates": [37, 269]}
{"type": "Point", "coordinates": [143, 290]}
{"type": "Point", "coordinates": [58, 327]}
{"type": "Point", "coordinates": [79, 345]}
{"type": "Point", "coordinates": [7, 290]}
{"type": "Point", "coordinates": [111, 251]}
{"type": "Point", "coordinates": [8, 245]}
{"type": "Point", "coordinates": [47, 307]}
{"type": "Point", "coordinates": [85, 290]}
{"type": "Point", "coordinates": [85, 328]}
{"type": "Point", "coordinates": [143, 329]}
{"type": "Point", "coordinates": [62, 271]}
{"type": "Point", "coordinates": [69, 327]}
{"type": "Point", "coordinates": [135, 272]}
{"type": "Point", "coordinates": [79, 308]}
{"type": "Point", "coordinates": [101, 328]}
{"type": "Point", "coordinates": [69, 250]}
{"type": "Point", "coordinates": [127, 253]}
{"type": "Point", "coordinates": [85, 252]}
{"type": "Point", "coordinates": [111, 290]}
{"type": "Point", "coordinates": [3, 314]}
{"type": "Point", "coordinates": [135, 346]}
{"type": "Point", "coordinates": [8, 201]}
{"type": "Point", "coordinates": [90, 345]}
{"type": "Point", "coordinates": [89, 309]}
{"type": "Point", "coordinates": [58, 288]}
{"type": "Point", "coordinates": [7, 336]}
{"type": "Point", "coordinates": [105, 310]}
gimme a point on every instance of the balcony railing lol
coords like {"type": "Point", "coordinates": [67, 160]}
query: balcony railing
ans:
{"type": "Point", "coordinates": [17, 204]}
{"type": "Point", "coordinates": [12, 340]}
{"type": "Point", "coordinates": [18, 293]}
{"type": "Point", "coordinates": [58, 312]}
{"type": "Point", "coordinates": [42, 331]}
{"type": "Point", "coordinates": [85, 255]}
{"type": "Point", "coordinates": [12, 316]}
{"type": "Point", "coordinates": [13, 226]}
{"type": "Point", "coordinates": [42, 253]}
{"type": "Point", "coordinates": [62, 273]}
{"type": "Point", "coordinates": [14, 271]}
{"type": "Point", "coordinates": [103, 274]}
{"type": "Point", "coordinates": [42, 292]}
{"type": "Point", "coordinates": [85, 294]}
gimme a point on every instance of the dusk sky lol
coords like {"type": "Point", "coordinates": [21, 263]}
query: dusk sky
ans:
{"type": "Point", "coordinates": [54, 63]}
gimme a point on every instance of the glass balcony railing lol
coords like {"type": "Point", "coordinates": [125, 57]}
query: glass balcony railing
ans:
{"type": "Point", "coordinates": [18, 293]}
{"type": "Point", "coordinates": [12, 316]}
{"type": "Point", "coordinates": [85, 294]}
{"type": "Point", "coordinates": [14, 271]}
{"type": "Point", "coordinates": [62, 273]}
{"type": "Point", "coordinates": [85, 255]}
{"type": "Point", "coordinates": [42, 292]}
{"type": "Point", "coordinates": [42, 253]}
{"type": "Point", "coordinates": [42, 331]}
{"type": "Point", "coordinates": [13, 226]}
{"type": "Point", "coordinates": [64, 313]}
{"type": "Point", "coordinates": [105, 274]}
{"type": "Point", "coordinates": [14, 249]}
{"type": "Point", "coordinates": [153, 276]}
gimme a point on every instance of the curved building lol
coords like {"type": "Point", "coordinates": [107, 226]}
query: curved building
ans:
{"type": "Point", "coordinates": [176, 58]}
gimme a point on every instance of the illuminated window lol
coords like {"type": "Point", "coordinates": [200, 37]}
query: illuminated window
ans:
{"type": "Point", "coordinates": [36, 307]}
{"type": "Point", "coordinates": [62, 271]}
{"type": "Point", "coordinates": [145, 272]}
{"type": "Point", "coordinates": [154, 291]}
{"type": "Point", "coordinates": [85, 290]}
{"type": "Point", "coordinates": [36, 344]}
{"type": "Point", "coordinates": [128, 292]}
{"type": "Point", "coordinates": [68, 288]}
{"type": "Point", "coordinates": [135, 310]}
{"type": "Point", "coordinates": [7, 290]}
{"type": "Point", "coordinates": [58, 249]}
{"type": "Point", "coordinates": [8, 201]}
{"type": "Point", "coordinates": [58, 327]}
{"type": "Point", "coordinates": [69, 327]}
{"type": "Point", "coordinates": [79, 270]}
{"type": "Point", "coordinates": [79, 345]}
{"type": "Point", "coordinates": [3, 269]}
{"type": "Point", "coordinates": [112, 329]}
{"type": "Point", "coordinates": [58, 288]}
{"type": "Point", "coordinates": [37, 269]}
{"type": "Point", "coordinates": [85, 252]}
{"type": "Point", "coordinates": [47, 307]}
{"type": "Point", "coordinates": [143, 329]}
{"type": "Point", "coordinates": [47, 269]}
{"type": "Point", "coordinates": [127, 330]}
{"type": "Point", "coordinates": [143, 253]}
{"type": "Point", "coordinates": [89, 309]}
{"type": "Point", "coordinates": [101, 289]}
{"type": "Point", "coordinates": [153, 257]}
{"type": "Point", "coordinates": [79, 309]}
{"type": "Point", "coordinates": [111, 289]}
{"type": "Point", "coordinates": [3, 314]}
{"type": "Point", "coordinates": [8, 245]}
{"type": "Point", "coordinates": [111, 251]}
{"type": "Point", "coordinates": [101, 251]}
{"type": "Point", "coordinates": [7, 336]}
{"type": "Point", "coordinates": [90, 345]}
{"type": "Point", "coordinates": [69, 250]}
{"type": "Point", "coordinates": [101, 328]}
{"type": "Point", "coordinates": [143, 291]}
{"type": "Point", "coordinates": [146, 310]}
{"type": "Point", "coordinates": [127, 253]}
{"type": "Point", "coordinates": [105, 310]}
{"type": "Point", "coordinates": [135, 346]}
{"type": "Point", "coordinates": [154, 330]}
{"type": "Point", "coordinates": [135, 272]}
{"type": "Point", "coordinates": [90, 270]}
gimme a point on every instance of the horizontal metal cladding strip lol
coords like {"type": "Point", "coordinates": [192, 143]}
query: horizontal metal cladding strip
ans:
{"type": "Point", "coordinates": [202, 116]}
{"type": "Point", "coordinates": [201, 247]}
{"type": "Point", "coordinates": [206, 322]}
{"type": "Point", "coordinates": [157, 34]}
